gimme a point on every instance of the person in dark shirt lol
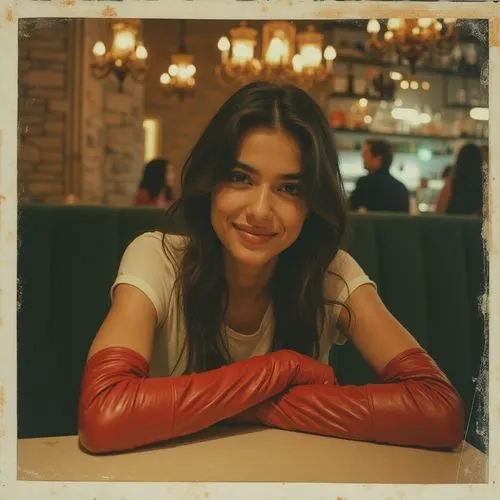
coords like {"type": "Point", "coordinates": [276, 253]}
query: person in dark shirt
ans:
{"type": "Point", "coordinates": [379, 190]}
{"type": "Point", "coordinates": [467, 182]}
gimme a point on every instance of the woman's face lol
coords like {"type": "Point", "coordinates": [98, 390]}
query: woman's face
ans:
{"type": "Point", "coordinates": [259, 211]}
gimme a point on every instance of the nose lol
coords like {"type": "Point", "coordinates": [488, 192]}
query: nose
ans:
{"type": "Point", "coordinates": [261, 205]}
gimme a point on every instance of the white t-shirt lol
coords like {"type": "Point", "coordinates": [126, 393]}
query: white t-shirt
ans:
{"type": "Point", "coordinates": [146, 266]}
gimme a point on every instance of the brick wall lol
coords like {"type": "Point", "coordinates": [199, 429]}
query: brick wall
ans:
{"type": "Point", "coordinates": [77, 135]}
{"type": "Point", "coordinates": [92, 120]}
{"type": "Point", "coordinates": [112, 155]}
{"type": "Point", "coordinates": [124, 144]}
{"type": "Point", "coordinates": [43, 109]}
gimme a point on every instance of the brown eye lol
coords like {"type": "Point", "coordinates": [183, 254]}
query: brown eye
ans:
{"type": "Point", "coordinates": [292, 189]}
{"type": "Point", "coordinates": [239, 178]}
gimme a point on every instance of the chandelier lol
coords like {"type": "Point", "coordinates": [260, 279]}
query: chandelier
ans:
{"type": "Point", "coordinates": [279, 61]}
{"type": "Point", "coordinates": [127, 55]}
{"type": "Point", "coordinates": [179, 78]}
{"type": "Point", "coordinates": [411, 39]}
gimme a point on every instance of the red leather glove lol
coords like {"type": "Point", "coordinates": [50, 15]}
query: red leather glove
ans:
{"type": "Point", "coordinates": [415, 406]}
{"type": "Point", "coordinates": [122, 408]}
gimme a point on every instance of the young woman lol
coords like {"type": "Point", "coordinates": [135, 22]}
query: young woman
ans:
{"type": "Point", "coordinates": [463, 190]}
{"type": "Point", "coordinates": [156, 186]}
{"type": "Point", "coordinates": [234, 321]}
{"type": "Point", "coordinates": [466, 195]}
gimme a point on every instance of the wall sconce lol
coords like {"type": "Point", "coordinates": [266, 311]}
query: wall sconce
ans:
{"type": "Point", "coordinates": [127, 55]}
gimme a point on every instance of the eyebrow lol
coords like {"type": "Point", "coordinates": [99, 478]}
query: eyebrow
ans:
{"type": "Point", "coordinates": [253, 170]}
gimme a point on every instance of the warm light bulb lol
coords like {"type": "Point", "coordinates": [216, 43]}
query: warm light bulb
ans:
{"type": "Point", "coordinates": [330, 53]}
{"type": "Point", "coordinates": [141, 52]}
{"type": "Point", "coordinates": [414, 85]}
{"type": "Point", "coordinates": [373, 26]}
{"type": "Point", "coordinates": [185, 72]}
{"type": "Point", "coordinates": [124, 42]}
{"type": "Point", "coordinates": [426, 85]}
{"type": "Point", "coordinates": [275, 51]}
{"type": "Point", "coordinates": [191, 69]}
{"type": "Point", "coordinates": [297, 63]}
{"type": "Point", "coordinates": [394, 23]}
{"type": "Point", "coordinates": [404, 84]}
{"type": "Point", "coordinates": [395, 75]}
{"type": "Point", "coordinates": [367, 119]}
{"type": "Point", "coordinates": [424, 22]}
{"type": "Point", "coordinates": [388, 36]}
{"type": "Point", "coordinates": [311, 55]}
{"type": "Point", "coordinates": [99, 49]}
{"type": "Point", "coordinates": [173, 70]}
{"type": "Point", "coordinates": [242, 52]}
{"type": "Point", "coordinates": [165, 79]}
{"type": "Point", "coordinates": [223, 44]}
{"type": "Point", "coordinates": [363, 102]}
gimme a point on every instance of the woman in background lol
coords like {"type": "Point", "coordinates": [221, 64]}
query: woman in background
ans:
{"type": "Point", "coordinates": [467, 182]}
{"type": "Point", "coordinates": [443, 197]}
{"type": "Point", "coordinates": [156, 186]}
{"type": "Point", "coordinates": [463, 190]}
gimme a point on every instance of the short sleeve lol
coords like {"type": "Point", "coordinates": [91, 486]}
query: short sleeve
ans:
{"type": "Point", "coordinates": [146, 266]}
{"type": "Point", "coordinates": [344, 277]}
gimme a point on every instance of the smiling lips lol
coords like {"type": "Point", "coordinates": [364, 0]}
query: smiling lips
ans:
{"type": "Point", "coordinates": [254, 235]}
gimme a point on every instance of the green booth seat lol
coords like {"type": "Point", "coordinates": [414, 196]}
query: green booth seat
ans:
{"type": "Point", "coordinates": [430, 272]}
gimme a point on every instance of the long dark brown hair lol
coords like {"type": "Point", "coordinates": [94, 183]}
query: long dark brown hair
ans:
{"type": "Point", "coordinates": [467, 186]}
{"type": "Point", "coordinates": [297, 287]}
{"type": "Point", "coordinates": [153, 179]}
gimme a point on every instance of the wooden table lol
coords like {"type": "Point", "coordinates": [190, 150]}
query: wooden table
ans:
{"type": "Point", "coordinates": [249, 454]}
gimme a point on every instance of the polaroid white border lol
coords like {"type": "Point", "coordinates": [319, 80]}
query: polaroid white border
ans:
{"type": "Point", "coordinates": [10, 13]}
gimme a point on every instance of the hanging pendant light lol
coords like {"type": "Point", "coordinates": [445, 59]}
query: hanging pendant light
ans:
{"type": "Point", "coordinates": [179, 79]}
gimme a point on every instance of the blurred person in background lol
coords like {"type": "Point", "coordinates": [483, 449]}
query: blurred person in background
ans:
{"type": "Point", "coordinates": [444, 195]}
{"type": "Point", "coordinates": [156, 186]}
{"type": "Point", "coordinates": [463, 192]}
{"type": "Point", "coordinates": [379, 190]}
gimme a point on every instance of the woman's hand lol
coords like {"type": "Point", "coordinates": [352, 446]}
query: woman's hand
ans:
{"type": "Point", "coordinates": [306, 369]}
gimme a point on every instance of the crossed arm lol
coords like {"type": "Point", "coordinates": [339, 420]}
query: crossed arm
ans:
{"type": "Point", "coordinates": [122, 408]}
{"type": "Point", "coordinates": [414, 404]}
